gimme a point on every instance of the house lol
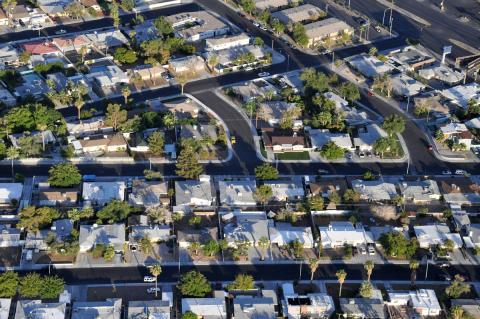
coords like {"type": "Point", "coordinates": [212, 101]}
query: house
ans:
{"type": "Point", "coordinates": [108, 235]}
{"type": "Point", "coordinates": [101, 193]}
{"type": "Point", "coordinates": [246, 226]}
{"type": "Point", "coordinates": [145, 32]}
{"type": "Point", "coordinates": [409, 58]}
{"type": "Point", "coordinates": [72, 43]}
{"type": "Point", "coordinates": [199, 132]}
{"type": "Point", "coordinates": [434, 102]}
{"type": "Point", "coordinates": [149, 194]}
{"type": "Point", "coordinates": [154, 308]}
{"type": "Point", "coordinates": [227, 42]}
{"type": "Point", "coordinates": [271, 4]}
{"type": "Point", "coordinates": [237, 193]}
{"type": "Point", "coordinates": [330, 28]}
{"type": "Point", "coordinates": [9, 56]}
{"type": "Point", "coordinates": [54, 8]}
{"type": "Point", "coordinates": [299, 14]}
{"type": "Point", "coordinates": [442, 73]}
{"type": "Point", "coordinates": [206, 308]}
{"type": "Point", "coordinates": [57, 197]}
{"type": "Point", "coordinates": [91, 4]}
{"type": "Point", "coordinates": [33, 85]}
{"type": "Point", "coordinates": [471, 306]}
{"type": "Point", "coordinates": [283, 234]}
{"type": "Point", "coordinates": [324, 187]}
{"type": "Point", "coordinates": [10, 192]}
{"type": "Point", "coordinates": [339, 234]}
{"type": "Point", "coordinates": [61, 230]}
{"type": "Point", "coordinates": [48, 137]}
{"type": "Point", "coordinates": [40, 48]}
{"type": "Point", "coordinates": [181, 108]}
{"type": "Point", "coordinates": [202, 236]}
{"type": "Point", "coordinates": [462, 198]}
{"type": "Point", "coordinates": [191, 63]}
{"type": "Point", "coordinates": [27, 16]}
{"type": "Point", "coordinates": [253, 90]}
{"type": "Point", "coordinates": [147, 72]}
{"type": "Point", "coordinates": [315, 305]}
{"type": "Point", "coordinates": [286, 190]}
{"type": "Point", "coordinates": [420, 192]}
{"type": "Point", "coordinates": [255, 307]}
{"type": "Point", "coordinates": [195, 26]}
{"type": "Point", "coordinates": [461, 221]}
{"type": "Point", "coordinates": [461, 94]}
{"type": "Point", "coordinates": [156, 233]}
{"type": "Point", "coordinates": [9, 237]}
{"type": "Point", "coordinates": [422, 302]}
{"type": "Point", "coordinates": [7, 98]}
{"type": "Point", "coordinates": [103, 40]}
{"type": "Point", "coordinates": [353, 116]}
{"type": "Point", "coordinates": [368, 65]}
{"type": "Point", "coordinates": [107, 76]}
{"type": "Point", "coordinates": [5, 304]}
{"type": "Point", "coordinates": [91, 126]}
{"type": "Point", "coordinates": [472, 239]}
{"type": "Point", "coordinates": [429, 236]}
{"type": "Point", "coordinates": [192, 193]}
{"type": "Point", "coordinates": [458, 133]}
{"type": "Point", "coordinates": [279, 142]}
{"type": "Point", "coordinates": [231, 59]}
{"type": "Point", "coordinates": [363, 308]}
{"type": "Point", "coordinates": [103, 143]}
{"type": "Point", "coordinates": [367, 136]}
{"type": "Point", "coordinates": [320, 137]}
{"type": "Point", "coordinates": [405, 86]}
{"type": "Point", "coordinates": [108, 309]}
{"type": "Point", "coordinates": [27, 309]}
{"type": "Point", "coordinates": [374, 190]}
{"type": "Point", "coordinates": [272, 111]}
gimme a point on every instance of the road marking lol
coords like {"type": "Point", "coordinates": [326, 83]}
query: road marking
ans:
{"type": "Point", "coordinates": [404, 12]}
{"type": "Point", "coordinates": [464, 46]}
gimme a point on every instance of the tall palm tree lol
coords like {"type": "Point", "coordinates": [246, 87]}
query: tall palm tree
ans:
{"type": "Point", "coordinates": [155, 271]}
{"type": "Point", "coordinates": [456, 312]}
{"type": "Point", "coordinates": [413, 266]}
{"type": "Point", "coordinates": [42, 127]}
{"type": "Point", "coordinates": [313, 263]}
{"type": "Point", "coordinates": [12, 154]}
{"type": "Point", "coordinates": [263, 243]}
{"type": "Point", "coordinates": [126, 93]}
{"type": "Point", "coordinates": [369, 265]}
{"type": "Point", "coordinates": [341, 275]}
{"type": "Point", "coordinates": [79, 103]}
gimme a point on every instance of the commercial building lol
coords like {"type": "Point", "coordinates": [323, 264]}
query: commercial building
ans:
{"type": "Point", "coordinates": [330, 28]}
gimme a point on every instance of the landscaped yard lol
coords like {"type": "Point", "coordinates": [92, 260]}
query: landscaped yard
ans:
{"type": "Point", "coordinates": [293, 156]}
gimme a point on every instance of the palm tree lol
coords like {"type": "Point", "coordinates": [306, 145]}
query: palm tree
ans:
{"type": "Point", "coordinates": [313, 263]}
{"type": "Point", "coordinates": [263, 243]}
{"type": "Point", "coordinates": [12, 154]}
{"type": "Point", "coordinates": [79, 104]}
{"type": "Point", "coordinates": [195, 247]}
{"type": "Point", "coordinates": [126, 93]}
{"type": "Point", "coordinates": [456, 312]}
{"type": "Point", "coordinates": [42, 127]}
{"type": "Point", "coordinates": [341, 275]}
{"type": "Point", "coordinates": [83, 52]}
{"type": "Point", "coordinates": [413, 266]}
{"type": "Point", "coordinates": [155, 271]}
{"type": "Point", "coordinates": [369, 265]}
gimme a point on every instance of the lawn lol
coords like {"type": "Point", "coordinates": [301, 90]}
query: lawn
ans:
{"type": "Point", "coordinates": [293, 156]}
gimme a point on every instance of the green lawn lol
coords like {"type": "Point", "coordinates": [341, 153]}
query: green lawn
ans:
{"type": "Point", "coordinates": [293, 156]}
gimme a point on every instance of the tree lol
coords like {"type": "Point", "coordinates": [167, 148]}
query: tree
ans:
{"type": "Point", "coordinates": [248, 6]}
{"type": "Point", "coordinates": [264, 244]}
{"type": "Point", "coordinates": [266, 171]}
{"type": "Point", "coordinates": [151, 174]}
{"type": "Point", "coordinates": [211, 248]}
{"type": "Point", "coordinates": [263, 193]}
{"type": "Point", "coordinates": [155, 271]}
{"type": "Point", "coordinates": [125, 56]}
{"type": "Point", "coordinates": [382, 145]}
{"type": "Point", "coordinates": [413, 265]}
{"type": "Point", "coordinates": [258, 42]}
{"type": "Point", "coordinates": [368, 176]}
{"type": "Point", "coordinates": [8, 284]}
{"type": "Point", "coordinates": [194, 284]}
{"type": "Point", "coordinates": [187, 164]}
{"type": "Point", "coordinates": [64, 175]}
{"type": "Point", "coordinates": [163, 27]}
{"type": "Point", "coordinates": [369, 265]}
{"type": "Point", "coordinates": [156, 143]}
{"type": "Point", "coordinates": [30, 146]}
{"type": "Point", "coordinates": [373, 51]}
{"type": "Point", "coordinates": [396, 245]}
{"type": "Point", "coordinates": [394, 124]}
{"type": "Point", "coordinates": [456, 312]}
{"type": "Point", "coordinates": [313, 264]}
{"type": "Point", "coordinates": [277, 26]}
{"type": "Point", "coordinates": [7, 6]}
{"type": "Point", "coordinates": [51, 287]}
{"type": "Point", "coordinates": [127, 5]}
{"type": "Point", "coordinates": [300, 34]}
{"type": "Point", "coordinates": [341, 275]}
{"type": "Point", "coordinates": [115, 211]}
{"type": "Point", "coordinates": [115, 116]}
{"type": "Point", "coordinates": [189, 315]}
{"type": "Point", "coordinates": [213, 61]}
{"type": "Point", "coordinates": [42, 127]}
{"type": "Point", "coordinates": [76, 214]}
{"type": "Point", "coordinates": [33, 219]}
{"type": "Point", "coordinates": [183, 77]}
{"type": "Point", "coordinates": [30, 285]}
{"type": "Point", "coordinates": [12, 154]}
{"type": "Point", "coordinates": [126, 93]}
{"type": "Point", "coordinates": [449, 245]}
{"type": "Point", "coordinates": [115, 15]}
{"type": "Point", "coordinates": [349, 91]}
{"type": "Point", "coordinates": [317, 81]}
{"type": "Point", "coordinates": [366, 289]}
{"type": "Point", "coordinates": [109, 253]}
{"type": "Point", "coordinates": [457, 288]}
{"type": "Point", "coordinates": [242, 282]}
{"type": "Point", "coordinates": [296, 247]}
{"type": "Point", "coordinates": [315, 203]}
{"type": "Point", "coordinates": [351, 196]}
{"type": "Point", "coordinates": [332, 151]}
{"type": "Point", "coordinates": [75, 10]}
{"type": "Point", "coordinates": [195, 247]}
{"type": "Point", "coordinates": [288, 118]}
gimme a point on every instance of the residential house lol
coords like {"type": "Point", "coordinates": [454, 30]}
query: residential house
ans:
{"type": "Point", "coordinates": [434, 102]}
{"type": "Point", "coordinates": [367, 136]}
{"type": "Point", "coordinates": [9, 237]}
{"type": "Point", "coordinates": [472, 239]}
{"type": "Point", "coordinates": [108, 235]}
{"type": "Point", "coordinates": [420, 192]}
{"type": "Point", "coordinates": [103, 143]}
{"type": "Point", "coordinates": [311, 305]}
{"type": "Point", "coordinates": [422, 302]}
{"type": "Point", "coordinates": [26, 16]}
{"type": "Point", "coordinates": [149, 194]}
{"type": "Point", "coordinates": [193, 194]}
{"type": "Point", "coordinates": [5, 304]}
{"type": "Point", "coordinates": [429, 236]}
{"type": "Point", "coordinates": [33, 85]}
{"type": "Point", "coordinates": [101, 193]}
{"type": "Point", "coordinates": [279, 142]}
{"type": "Point", "coordinates": [10, 192]}
{"type": "Point", "coordinates": [442, 73]}
{"type": "Point", "coordinates": [461, 221]}
{"type": "Point", "coordinates": [286, 190]}
{"type": "Point", "coordinates": [409, 58]}
{"type": "Point", "coordinates": [331, 28]}
{"type": "Point", "coordinates": [339, 234]}
{"type": "Point", "coordinates": [62, 228]}
{"type": "Point", "coordinates": [253, 90]}
{"type": "Point", "coordinates": [48, 137]}
{"type": "Point", "coordinates": [91, 4]}
{"type": "Point", "coordinates": [145, 32]}
{"type": "Point", "coordinates": [460, 95]}
{"type": "Point", "coordinates": [108, 309]}
{"type": "Point", "coordinates": [232, 59]}
{"type": "Point", "coordinates": [299, 14]}
{"type": "Point", "coordinates": [368, 65]}
{"type": "Point", "coordinates": [320, 137]}
{"type": "Point", "coordinates": [155, 234]}
{"type": "Point", "coordinates": [43, 47]}
{"type": "Point", "coordinates": [195, 26]}
{"type": "Point", "coordinates": [237, 193]}
{"type": "Point", "coordinates": [246, 306]}
{"type": "Point", "coordinates": [147, 72]}
{"type": "Point", "coordinates": [246, 226]}
{"type": "Point", "coordinates": [72, 43]}
{"type": "Point", "coordinates": [191, 63]}
{"type": "Point", "coordinates": [181, 108]}
{"type": "Point", "coordinates": [353, 116]}
{"type": "Point", "coordinates": [153, 308]}
{"type": "Point", "coordinates": [363, 308]}
{"type": "Point", "coordinates": [103, 40]}
{"type": "Point", "coordinates": [271, 4]}
{"type": "Point", "coordinates": [54, 8]}
{"type": "Point", "coordinates": [405, 86]}
{"type": "Point", "coordinates": [207, 308]}
{"type": "Point", "coordinates": [458, 133]}
{"type": "Point", "coordinates": [9, 56]}
{"type": "Point", "coordinates": [470, 306]}
{"type": "Point", "coordinates": [57, 197]}
{"type": "Point", "coordinates": [105, 76]}
{"type": "Point", "coordinates": [199, 132]}
{"type": "Point", "coordinates": [27, 309]}
{"type": "Point", "coordinates": [324, 187]}
{"type": "Point", "coordinates": [227, 42]}
{"type": "Point", "coordinates": [7, 98]}
{"type": "Point", "coordinates": [273, 111]}
{"type": "Point", "coordinates": [283, 234]}
{"type": "Point", "coordinates": [374, 190]}
{"type": "Point", "coordinates": [91, 126]}
{"type": "Point", "coordinates": [202, 236]}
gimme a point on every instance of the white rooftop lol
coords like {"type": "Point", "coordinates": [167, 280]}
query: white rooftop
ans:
{"type": "Point", "coordinates": [368, 65]}
{"type": "Point", "coordinates": [237, 193]}
{"type": "Point", "coordinates": [461, 94]}
{"type": "Point", "coordinates": [103, 192]}
{"type": "Point", "coordinates": [207, 308]}
{"type": "Point", "coordinates": [374, 190]}
{"type": "Point", "coordinates": [9, 191]}
{"type": "Point", "coordinates": [109, 309]}
{"type": "Point", "coordinates": [431, 235]}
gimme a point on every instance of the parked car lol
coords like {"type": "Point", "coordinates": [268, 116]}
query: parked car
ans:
{"type": "Point", "coordinates": [446, 172]}
{"type": "Point", "coordinates": [233, 140]}
{"type": "Point", "coordinates": [460, 172]}
{"type": "Point", "coordinates": [430, 147]}
{"type": "Point", "coordinates": [371, 250]}
{"type": "Point", "coordinates": [263, 74]}
{"type": "Point", "coordinates": [148, 279]}
{"type": "Point", "coordinates": [152, 290]}
{"type": "Point", "coordinates": [348, 155]}
{"type": "Point", "coordinates": [361, 154]}
{"type": "Point", "coordinates": [362, 250]}
{"type": "Point", "coordinates": [256, 24]}
{"type": "Point", "coordinates": [370, 93]}
{"type": "Point", "coordinates": [378, 29]}
{"type": "Point", "coordinates": [361, 21]}
{"type": "Point", "coordinates": [61, 31]}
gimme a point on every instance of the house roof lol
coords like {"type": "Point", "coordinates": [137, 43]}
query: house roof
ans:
{"type": "Point", "coordinates": [5, 304]}
{"type": "Point", "coordinates": [420, 190]}
{"type": "Point", "coordinates": [284, 233]}
{"type": "Point", "coordinates": [208, 308]}
{"type": "Point", "coordinates": [275, 138]}
{"type": "Point", "coordinates": [300, 13]}
{"type": "Point", "coordinates": [364, 307]}
{"type": "Point", "coordinates": [254, 308]}
{"type": "Point", "coordinates": [187, 191]}
{"type": "Point", "coordinates": [91, 235]}
{"type": "Point", "coordinates": [109, 309]}
{"type": "Point", "coordinates": [404, 85]}
{"type": "Point", "coordinates": [157, 232]}
{"type": "Point", "coordinates": [247, 227]}
{"type": "Point", "coordinates": [203, 20]}
{"type": "Point", "coordinates": [270, 4]}
{"type": "Point", "coordinates": [326, 186]}
{"type": "Point", "coordinates": [103, 191]}
{"type": "Point", "coordinates": [58, 195]}
{"type": "Point", "coordinates": [147, 193]}
{"type": "Point", "coordinates": [226, 39]}
{"type": "Point", "coordinates": [326, 27]}
{"type": "Point", "coordinates": [374, 190]}
{"type": "Point", "coordinates": [275, 109]}
{"type": "Point", "coordinates": [158, 309]}
{"type": "Point", "coordinates": [289, 189]}
{"type": "Point", "coordinates": [201, 235]}
{"type": "Point", "coordinates": [237, 192]}
{"type": "Point", "coordinates": [337, 232]}
{"type": "Point", "coordinates": [27, 309]}
{"type": "Point", "coordinates": [75, 41]}
{"type": "Point", "coordinates": [9, 191]}
{"type": "Point", "coordinates": [368, 65]}
{"type": "Point", "coordinates": [40, 47]}
{"type": "Point", "coordinates": [431, 235]}
{"type": "Point", "coordinates": [369, 135]}
{"type": "Point", "coordinates": [108, 141]}
{"type": "Point", "coordinates": [320, 137]}
{"type": "Point", "coordinates": [227, 56]}
{"type": "Point", "coordinates": [461, 94]}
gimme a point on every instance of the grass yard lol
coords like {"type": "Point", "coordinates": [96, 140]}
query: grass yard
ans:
{"type": "Point", "coordinates": [293, 156]}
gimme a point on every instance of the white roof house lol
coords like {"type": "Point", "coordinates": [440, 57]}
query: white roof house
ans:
{"type": "Point", "coordinates": [207, 308]}
{"type": "Point", "coordinates": [284, 233]}
{"type": "Point", "coordinates": [409, 58]}
{"type": "Point", "coordinates": [317, 305]}
{"type": "Point", "coordinates": [252, 307]}
{"type": "Point", "coordinates": [148, 194]}
{"type": "Point", "coordinates": [228, 57]}
{"type": "Point", "coordinates": [10, 237]}
{"type": "Point", "coordinates": [198, 25]}
{"type": "Point", "coordinates": [103, 39]}
{"type": "Point", "coordinates": [302, 13]}
{"type": "Point", "coordinates": [367, 136]}
{"type": "Point", "coordinates": [286, 190]}
{"type": "Point", "coordinates": [434, 235]}
{"type": "Point", "coordinates": [109, 309]}
{"type": "Point", "coordinates": [320, 137]}
{"type": "Point", "coordinates": [273, 111]}
{"type": "Point", "coordinates": [368, 65]}
{"type": "Point", "coordinates": [107, 76]}
{"type": "Point", "coordinates": [453, 128]}
{"type": "Point", "coordinates": [237, 193]}
{"type": "Point", "coordinates": [461, 94]}
{"type": "Point", "coordinates": [423, 301]}
{"type": "Point", "coordinates": [374, 190]}
{"type": "Point", "coordinates": [101, 193]}
{"type": "Point", "coordinates": [154, 233]}
{"type": "Point", "coordinates": [353, 116]}
{"type": "Point", "coordinates": [156, 309]}
{"type": "Point", "coordinates": [88, 127]}
{"type": "Point", "coordinates": [5, 304]}
{"type": "Point", "coordinates": [420, 191]}
{"type": "Point", "coordinates": [442, 73]}
{"type": "Point", "coordinates": [27, 309]}
{"type": "Point", "coordinates": [337, 234]}
{"type": "Point", "coordinates": [270, 4]}
{"type": "Point", "coordinates": [403, 85]}
{"type": "Point", "coordinates": [91, 235]}
{"type": "Point", "coordinates": [246, 226]}
{"type": "Point", "coordinates": [193, 193]}
{"type": "Point", "coordinates": [10, 191]}
{"type": "Point", "coordinates": [331, 28]}
{"type": "Point", "coordinates": [227, 42]}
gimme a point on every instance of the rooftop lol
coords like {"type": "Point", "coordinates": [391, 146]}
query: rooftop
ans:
{"type": "Point", "coordinates": [237, 192]}
{"type": "Point", "coordinates": [301, 13]}
{"type": "Point", "coordinates": [374, 190]}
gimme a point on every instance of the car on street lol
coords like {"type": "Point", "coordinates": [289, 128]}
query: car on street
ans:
{"type": "Point", "coordinates": [61, 31]}
{"type": "Point", "coordinates": [361, 21]}
{"type": "Point", "coordinates": [430, 147]}
{"type": "Point", "coordinates": [371, 250]}
{"type": "Point", "coordinates": [446, 172]}
{"type": "Point", "coordinates": [323, 171]}
{"type": "Point", "coordinates": [262, 27]}
{"type": "Point", "coordinates": [370, 93]}
{"type": "Point", "coordinates": [460, 172]}
{"type": "Point", "coordinates": [152, 290]}
{"type": "Point", "coordinates": [233, 140]}
{"type": "Point", "coordinates": [348, 155]}
{"type": "Point", "coordinates": [362, 250]}
{"type": "Point", "coordinates": [256, 24]}
{"type": "Point", "coordinates": [378, 29]}
{"type": "Point", "coordinates": [263, 74]}
{"type": "Point", "coordinates": [148, 279]}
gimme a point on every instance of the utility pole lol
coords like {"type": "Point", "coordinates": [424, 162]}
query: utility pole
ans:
{"type": "Point", "coordinates": [326, 8]}
{"type": "Point", "coordinates": [391, 23]}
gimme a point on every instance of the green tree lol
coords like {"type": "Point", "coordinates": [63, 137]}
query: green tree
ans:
{"type": "Point", "coordinates": [394, 124]}
{"type": "Point", "coordinates": [126, 93]}
{"type": "Point", "coordinates": [12, 154]}
{"type": "Point", "coordinates": [413, 265]}
{"type": "Point", "coordinates": [300, 34]}
{"type": "Point", "coordinates": [64, 175]}
{"type": "Point", "coordinates": [341, 275]}
{"type": "Point", "coordinates": [317, 81]}
{"type": "Point", "coordinates": [382, 145]}
{"type": "Point", "coordinates": [115, 211]}
{"type": "Point", "coordinates": [115, 116]}
{"type": "Point", "coordinates": [164, 28]}
{"type": "Point", "coordinates": [263, 193]}
{"type": "Point", "coordinates": [155, 271]}
{"type": "Point", "coordinates": [277, 26]}
{"type": "Point", "coordinates": [187, 164]}
{"type": "Point", "coordinates": [194, 284]}
{"type": "Point", "coordinates": [366, 289]}
{"type": "Point", "coordinates": [33, 219]}
{"type": "Point", "coordinates": [456, 312]}
{"type": "Point", "coordinates": [296, 247]}
{"type": "Point", "coordinates": [127, 5]}
{"type": "Point", "coordinates": [349, 91]}
{"type": "Point", "coordinates": [457, 288]}
{"type": "Point", "coordinates": [313, 264]}
{"type": "Point", "coordinates": [211, 248]}
{"type": "Point", "coordinates": [76, 214]}
{"type": "Point", "coordinates": [248, 6]}
{"type": "Point", "coordinates": [115, 15]}
{"type": "Point", "coordinates": [30, 285]}
{"type": "Point", "coordinates": [369, 265]}
{"type": "Point", "coordinates": [368, 176]}
{"type": "Point", "coordinates": [396, 245]}
{"type": "Point", "coordinates": [156, 143]}
{"type": "Point", "coordinates": [258, 42]}
{"type": "Point", "coordinates": [242, 282]}
{"type": "Point", "coordinates": [449, 245]}
{"type": "Point", "coordinates": [332, 151]}
{"type": "Point", "coordinates": [51, 287]}
{"type": "Point", "coordinates": [30, 146]}
{"type": "Point", "coordinates": [264, 244]}
{"type": "Point", "coordinates": [189, 315]}
{"type": "Point", "coordinates": [75, 10]}
{"type": "Point", "coordinates": [125, 56]}
{"type": "Point", "coordinates": [109, 253]}
{"type": "Point", "coordinates": [315, 203]}
{"type": "Point", "coordinates": [266, 172]}
{"type": "Point", "coordinates": [8, 284]}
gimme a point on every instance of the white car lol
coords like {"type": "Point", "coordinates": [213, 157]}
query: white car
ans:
{"type": "Point", "coordinates": [152, 290]}
{"type": "Point", "coordinates": [447, 172]}
{"type": "Point", "coordinates": [362, 250]}
{"type": "Point", "coordinates": [148, 279]}
{"type": "Point", "coordinates": [256, 24]}
{"type": "Point", "coordinates": [371, 250]}
{"type": "Point", "coordinates": [460, 172]}
{"type": "Point", "coordinates": [61, 31]}
{"type": "Point", "coordinates": [263, 74]}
